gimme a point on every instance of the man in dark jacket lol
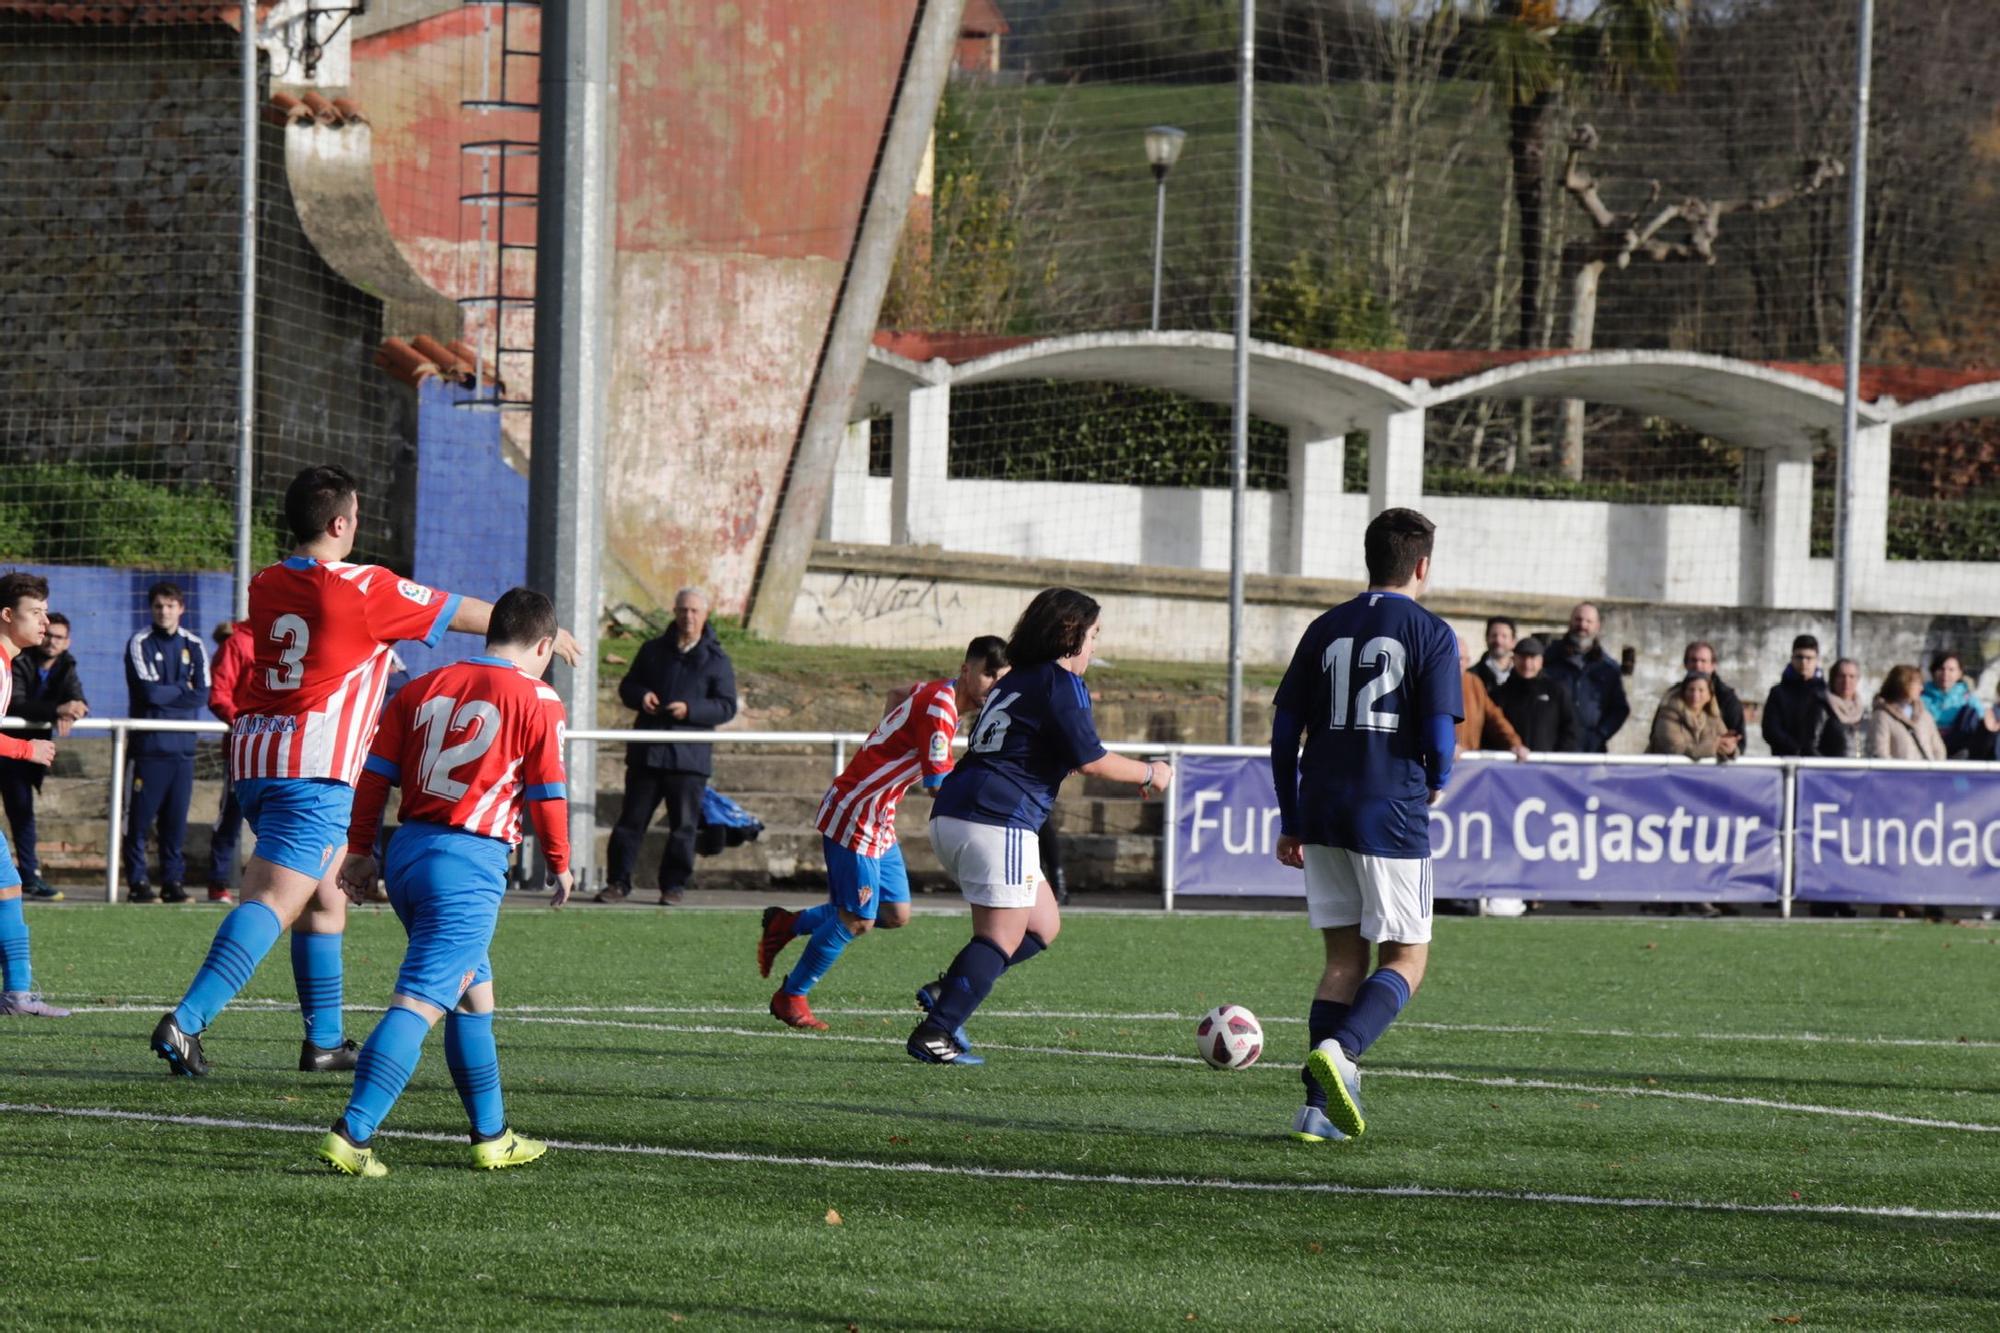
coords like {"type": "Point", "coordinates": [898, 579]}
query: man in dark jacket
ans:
{"type": "Point", "coordinates": [1795, 711]}
{"type": "Point", "coordinates": [47, 691]}
{"type": "Point", "coordinates": [1596, 686]}
{"type": "Point", "coordinates": [1540, 709]}
{"type": "Point", "coordinates": [166, 674]}
{"type": "Point", "coordinates": [681, 681]}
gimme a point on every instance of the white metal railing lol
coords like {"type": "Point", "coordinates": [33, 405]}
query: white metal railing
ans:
{"type": "Point", "coordinates": [119, 730]}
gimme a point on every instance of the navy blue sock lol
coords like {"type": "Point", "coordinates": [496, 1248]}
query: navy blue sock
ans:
{"type": "Point", "coordinates": [1375, 1007]}
{"type": "Point", "coordinates": [1324, 1020]}
{"type": "Point", "coordinates": [474, 1058]}
{"type": "Point", "coordinates": [1031, 944]}
{"type": "Point", "coordinates": [968, 983]}
{"type": "Point", "coordinates": [241, 942]}
{"type": "Point", "coordinates": [388, 1058]}
{"type": "Point", "coordinates": [317, 974]}
{"type": "Point", "coordinates": [14, 946]}
{"type": "Point", "coordinates": [821, 953]}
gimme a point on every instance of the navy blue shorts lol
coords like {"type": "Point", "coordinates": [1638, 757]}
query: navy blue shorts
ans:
{"type": "Point", "coordinates": [859, 885]}
{"type": "Point", "coordinates": [445, 885]}
{"type": "Point", "coordinates": [300, 823]}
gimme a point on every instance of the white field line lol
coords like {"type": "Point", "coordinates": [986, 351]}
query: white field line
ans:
{"type": "Point", "coordinates": [135, 1003]}
{"type": "Point", "coordinates": [1152, 1057]}
{"type": "Point", "coordinates": [1069, 1177]}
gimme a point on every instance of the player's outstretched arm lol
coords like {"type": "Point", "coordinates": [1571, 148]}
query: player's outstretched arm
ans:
{"type": "Point", "coordinates": [1148, 775]}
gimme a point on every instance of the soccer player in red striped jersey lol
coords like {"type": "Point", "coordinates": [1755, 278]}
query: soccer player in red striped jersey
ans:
{"type": "Point", "coordinates": [24, 623]}
{"type": "Point", "coordinates": [469, 744]}
{"type": "Point", "coordinates": [322, 628]}
{"type": "Point", "coordinates": [867, 883]}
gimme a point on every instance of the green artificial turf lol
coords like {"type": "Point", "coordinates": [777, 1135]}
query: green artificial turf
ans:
{"type": "Point", "coordinates": [1532, 1064]}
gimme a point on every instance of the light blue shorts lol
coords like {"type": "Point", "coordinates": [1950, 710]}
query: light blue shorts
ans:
{"type": "Point", "coordinates": [859, 885]}
{"type": "Point", "coordinates": [300, 823]}
{"type": "Point", "coordinates": [445, 885]}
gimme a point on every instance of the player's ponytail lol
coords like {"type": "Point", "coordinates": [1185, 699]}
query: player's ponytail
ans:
{"type": "Point", "coordinates": [1053, 627]}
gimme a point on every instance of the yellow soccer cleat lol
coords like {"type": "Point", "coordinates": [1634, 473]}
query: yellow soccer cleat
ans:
{"type": "Point", "coordinates": [505, 1149]}
{"type": "Point", "coordinates": [1332, 1070]}
{"type": "Point", "coordinates": [348, 1157]}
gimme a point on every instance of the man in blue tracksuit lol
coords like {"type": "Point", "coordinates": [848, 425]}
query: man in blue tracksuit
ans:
{"type": "Point", "coordinates": [166, 673]}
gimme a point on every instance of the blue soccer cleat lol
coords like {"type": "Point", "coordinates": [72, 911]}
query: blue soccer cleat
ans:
{"type": "Point", "coordinates": [1310, 1125]}
{"type": "Point", "coordinates": [928, 995]}
{"type": "Point", "coordinates": [1332, 1070]}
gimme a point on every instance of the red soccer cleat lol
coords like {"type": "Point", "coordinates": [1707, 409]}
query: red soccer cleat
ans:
{"type": "Point", "coordinates": [777, 934]}
{"type": "Point", "coordinates": [793, 1011]}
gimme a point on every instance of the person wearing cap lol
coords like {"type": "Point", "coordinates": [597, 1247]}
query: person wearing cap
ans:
{"type": "Point", "coordinates": [1689, 722]}
{"type": "Point", "coordinates": [1541, 711]}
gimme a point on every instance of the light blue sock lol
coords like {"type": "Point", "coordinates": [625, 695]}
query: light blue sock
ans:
{"type": "Point", "coordinates": [810, 920]}
{"type": "Point", "coordinates": [241, 942]}
{"type": "Point", "coordinates": [388, 1058]}
{"type": "Point", "coordinates": [316, 973]}
{"type": "Point", "coordinates": [821, 953]}
{"type": "Point", "coordinates": [14, 947]}
{"type": "Point", "coordinates": [475, 1070]}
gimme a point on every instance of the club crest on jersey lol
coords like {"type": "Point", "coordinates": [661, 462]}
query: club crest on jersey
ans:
{"type": "Point", "coordinates": [416, 592]}
{"type": "Point", "coordinates": [940, 747]}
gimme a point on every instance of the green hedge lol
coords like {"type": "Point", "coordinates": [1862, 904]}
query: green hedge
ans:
{"type": "Point", "coordinates": [1944, 529]}
{"type": "Point", "coordinates": [72, 513]}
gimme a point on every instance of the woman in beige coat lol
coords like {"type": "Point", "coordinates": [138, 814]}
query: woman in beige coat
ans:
{"type": "Point", "coordinates": [1899, 726]}
{"type": "Point", "coordinates": [1689, 722]}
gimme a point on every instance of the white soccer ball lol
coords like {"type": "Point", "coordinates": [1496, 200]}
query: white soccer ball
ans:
{"type": "Point", "coordinates": [1229, 1037]}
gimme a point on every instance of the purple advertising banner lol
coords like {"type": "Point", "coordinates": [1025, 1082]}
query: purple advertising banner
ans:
{"type": "Point", "coordinates": [1898, 836]}
{"type": "Point", "coordinates": [1614, 832]}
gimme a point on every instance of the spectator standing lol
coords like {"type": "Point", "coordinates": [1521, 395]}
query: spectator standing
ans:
{"type": "Point", "coordinates": [166, 674]}
{"type": "Point", "coordinates": [1596, 686]}
{"type": "Point", "coordinates": [681, 681]}
{"type": "Point", "coordinates": [1494, 668]}
{"type": "Point", "coordinates": [1542, 712]}
{"type": "Point", "coordinates": [47, 691]}
{"type": "Point", "coordinates": [235, 651]}
{"type": "Point", "coordinates": [1948, 697]}
{"type": "Point", "coordinates": [1846, 732]}
{"type": "Point", "coordinates": [1796, 717]}
{"type": "Point", "coordinates": [1689, 722]}
{"type": "Point", "coordinates": [1484, 726]}
{"type": "Point", "coordinates": [1899, 726]}
{"type": "Point", "coordinates": [1700, 657]}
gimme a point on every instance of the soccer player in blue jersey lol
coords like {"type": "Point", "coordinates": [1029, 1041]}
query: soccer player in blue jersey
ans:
{"type": "Point", "coordinates": [1375, 689]}
{"type": "Point", "coordinates": [1034, 731]}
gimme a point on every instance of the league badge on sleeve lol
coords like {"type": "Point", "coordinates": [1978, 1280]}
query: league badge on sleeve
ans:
{"type": "Point", "coordinates": [416, 592]}
{"type": "Point", "coordinates": [940, 747]}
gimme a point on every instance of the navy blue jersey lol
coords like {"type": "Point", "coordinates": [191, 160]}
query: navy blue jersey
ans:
{"type": "Point", "coordinates": [1034, 731]}
{"type": "Point", "coordinates": [1365, 681]}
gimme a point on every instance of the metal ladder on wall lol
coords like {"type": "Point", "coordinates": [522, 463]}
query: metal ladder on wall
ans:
{"type": "Point", "coordinates": [500, 204]}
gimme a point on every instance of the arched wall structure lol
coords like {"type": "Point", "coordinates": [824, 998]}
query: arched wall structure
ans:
{"type": "Point", "coordinates": [1755, 555]}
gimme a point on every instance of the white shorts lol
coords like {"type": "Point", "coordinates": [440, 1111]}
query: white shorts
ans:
{"type": "Point", "coordinates": [1389, 897]}
{"type": "Point", "coordinates": [992, 866]}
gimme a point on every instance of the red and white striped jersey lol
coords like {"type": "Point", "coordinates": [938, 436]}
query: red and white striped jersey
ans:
{"type": "Point", "coordinates": [469, 743]}
{"type": "Point", "coordinates": [913, 740]}
{"type": "Point", "coordinates": [11, 747]}
{"type": "Point", "coordinates": [307, 704]}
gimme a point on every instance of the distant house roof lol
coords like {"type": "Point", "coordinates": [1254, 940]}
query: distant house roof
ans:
{"type": "Point", "coordinates": [983, 19]}
{"type": "Point", "coordinates": [122, 13]}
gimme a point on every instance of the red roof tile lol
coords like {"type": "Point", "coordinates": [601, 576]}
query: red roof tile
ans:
{"type": "Point", "coordinates": [983, 19]}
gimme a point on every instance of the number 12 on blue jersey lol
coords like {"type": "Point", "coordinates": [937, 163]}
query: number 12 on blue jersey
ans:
{"type": "Point", "coordinates": [1338, 661]}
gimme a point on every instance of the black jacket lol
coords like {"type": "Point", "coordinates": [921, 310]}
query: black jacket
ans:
{"type": "Point", "coordinates": [1541, 710]}
{"type": "Point", "coordinates": [702, 678]}
{"type": "Point", "coordinates": [1597, 688]}
{"type": "Point", "coordinates": [1730, 704]}
{"type": "Point", "coordinates": [37, 701]}
{"type": "Point", "coordinates": [1795, 718]}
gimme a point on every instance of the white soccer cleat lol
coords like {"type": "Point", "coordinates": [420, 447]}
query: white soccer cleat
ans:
{"type": "Point", "coordinates": [1310, 1125]}
{"type": "Point", "coordinates": [1332, 1070]}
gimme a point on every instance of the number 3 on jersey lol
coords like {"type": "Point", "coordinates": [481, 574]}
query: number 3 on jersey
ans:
{"type": "Point", "coordinates": [1339, 662]}
{"type": "Point", "coordinates": [296, 635]}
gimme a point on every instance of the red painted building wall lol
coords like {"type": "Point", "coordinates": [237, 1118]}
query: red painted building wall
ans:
{"type": "Point", "coordinates": [746, 134]}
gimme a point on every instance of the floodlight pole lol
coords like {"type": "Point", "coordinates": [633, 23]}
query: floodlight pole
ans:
{"type": "Point", "coordinates": [1850, 422]}
{"type": "Point", "coordinates": [573, 355]}
{"type": "Point", "coordinates": [246, 318]}
{"type": "Point", "coordinates": [1239, 454]}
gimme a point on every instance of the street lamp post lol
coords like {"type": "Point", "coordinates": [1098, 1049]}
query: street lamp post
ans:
{"type": "Point", "coordinates": [1163, 149]}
